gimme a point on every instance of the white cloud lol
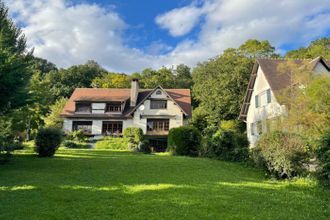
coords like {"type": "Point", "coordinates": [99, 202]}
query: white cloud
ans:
{"type": "Point", "coordinates": [69, 34]}
{"type": "Point", "coordinates": [179, 21]}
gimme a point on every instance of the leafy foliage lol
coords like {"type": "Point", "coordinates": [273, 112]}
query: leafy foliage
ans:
{"type": "Point", "coordinates": [228, 142]}
{"type": "Point", "coordinates": [282, 154]}
{"type": "Point", "coordinates": [111, 80]}
{"type": "Point", "coordinates": [323, 156]}
{"type": "Point", "coordinates": [75, 144]}
{"type": "Point", "coordinates": [47, 141]}
{"type": "Point", "coordinates": [14, 63]}
{"type": "Point", "coordinates": [319, 47]}
{"type": "Point", "coordinates": [184, 140]}
{"type": "Point", "coordinates": [53, 119]}
{"type": "Point", "coordinates": [77, 135]}
{"type": "Point", "coordinates": [134, 135]}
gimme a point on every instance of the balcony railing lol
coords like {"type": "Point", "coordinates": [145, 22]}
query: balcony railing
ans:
{"type": "Point", "coordinates": [157, 132]}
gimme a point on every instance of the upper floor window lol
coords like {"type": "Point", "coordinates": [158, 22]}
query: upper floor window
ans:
{"type": "Point", "coordinates": [263, 98]}
{"type": "Point", "coordinates": [158, 92]}
{"type": "Point", "coordinates": [113, 107]}
{"type": "Point", "coordinates": [158, 104]}
{"type": "Point", "coordinates": [83, 107]}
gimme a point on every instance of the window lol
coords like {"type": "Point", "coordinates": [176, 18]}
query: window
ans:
{"type": "Point", "coordinates": [83, 107]}
{"type": "Point", "coordinates": [113, 107]}
{"type": "Point", "coordinates": [85, 126]}
{"type": "Point", "coordinates": [256, 98]}
{"type": "Point", "coordinates": [112, 127]}
{"type": "Point", "coordinates": [158, 104]}
{"type": "Point", "coordinates": [158, 124]}
{"type": "Point", "coordinates": [158, 92]}
{"type": "Point", "coordinates": [269, 96]}
{"type": "Point", "coordinates": [259, 127]}
{"type": "Point", "coordinates": [252, 128]}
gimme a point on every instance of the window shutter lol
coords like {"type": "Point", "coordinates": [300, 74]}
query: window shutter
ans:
{"type": "Point", "coordinates": [257, 101]}
{"type": "Point", "coordinates": [269, 96]}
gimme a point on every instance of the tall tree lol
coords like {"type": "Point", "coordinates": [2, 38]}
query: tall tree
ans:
{"type": "Point", "coordinates": [163, 77]}
{"type": "Point", "coordinates": [220, 83]}
{"type": "Point", "coordinates": [320, 47]}
{"type": "Point", "coordinates": [183, 78]}
{"type": "Point", "coordinates": [14, 63]}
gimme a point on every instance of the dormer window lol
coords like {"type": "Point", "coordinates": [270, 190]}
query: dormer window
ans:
{"type": "Point", "coordinates": [159, 92]}
{"type": "Point", "coordinates": [83, 107]}
{"type": "Point", "coordinates": [113, 107]}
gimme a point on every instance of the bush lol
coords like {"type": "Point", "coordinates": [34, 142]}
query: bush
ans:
{"type": "Point", "coordinates": [112, 143]}
{"type": "Point", "coordinates": [144, 147]}
{"type": "Point", "coordinates": [323, 156]}
{"type": "Point", "coordinates": [47, 141]}
{"type": "Point", "coordinates": [134, 135]}
{"type": "Point", "coordinates": [226, 145]}
{"type": "Point", "coordinates": [184, 141]}
{"type": "Point", "coordinates": [77, 135]}
{"type": "Point", "coordinates": [282, 154]}
{"type": "Point", "coordinates": [75, 144]}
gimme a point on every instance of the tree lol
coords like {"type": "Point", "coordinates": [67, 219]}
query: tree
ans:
{"type": "Point", "coordinates": [320, 47]}
{"type": "Point", "coordinates": [14, 63]}
{"type": "Point", "coordinates": [220, 83]}
{"type": "Point", "coordinates": [53, 119]}
{"type": "Point", "coordinates": [183, 78]}
{"type": "Point", "coordinates": [64, 81]}
{"type": "Point", "coordinates": [257, 49]}
{"type": "Point", "coordinates": [42, 65]}
{"type": "Point", "coordinates": [111, 80]}
{"type": "Point", "coordinates": [163, 77]}
{"type": "Point", "coordinates": [307, 101]}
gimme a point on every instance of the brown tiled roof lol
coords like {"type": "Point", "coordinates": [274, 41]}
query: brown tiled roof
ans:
{"type": "Point", "coordinates": [277, 80]}
{"type": "Point", "coordinates": [180, 96]}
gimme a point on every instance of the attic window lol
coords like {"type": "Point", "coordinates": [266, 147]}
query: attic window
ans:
{"type": "Point", "coordinates": [158, 92]}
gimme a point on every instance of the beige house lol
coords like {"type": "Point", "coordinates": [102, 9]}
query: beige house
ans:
{"type": "Point", "coordinates": [260, 101]}
{"type": "Point", "coordinates": [100, 111]}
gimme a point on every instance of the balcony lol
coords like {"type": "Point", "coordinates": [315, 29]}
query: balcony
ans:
{"type": "Point", "coordinates": [157, 133]}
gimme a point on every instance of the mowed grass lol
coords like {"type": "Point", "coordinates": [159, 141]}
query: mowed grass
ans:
{"type": "Point", "coordinates": [101, 184]}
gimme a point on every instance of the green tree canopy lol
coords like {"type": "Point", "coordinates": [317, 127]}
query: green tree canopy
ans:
{"type": "Point", "coordinates": [14, 63]}
{"type": "Point", "coordinates": [320, 47]}
{"type": "Point", "coordinates": [111, 80]}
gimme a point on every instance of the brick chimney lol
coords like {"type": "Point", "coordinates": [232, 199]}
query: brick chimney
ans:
{"type": "Point", "coordinates": [134, 92]}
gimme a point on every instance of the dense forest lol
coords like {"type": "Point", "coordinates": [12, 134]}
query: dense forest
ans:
{"type": "Point", "coordinates": [33, 90]}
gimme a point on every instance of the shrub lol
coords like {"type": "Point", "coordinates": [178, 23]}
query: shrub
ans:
{"type": "Point", "coordinates": [134, 135]}
{"type": "Point", "coordinates": [75, 144]}
{"type": "Point", "coordinates": [184, 141]}
{"type": "Point", "coordinates": [47, 141]}
{"type": "Point", "coordinates": [112, 143]}
{"type": "Point", "coordinates": [226, 145]}
{"type": "Point", "coordinates": [77, 135]}
{"type": "Point", "coordinates": [282, 154]}
{"type": "Point", "coordinates": [323, 156]}
{"type": "Point", "coordinates": [144, 147]}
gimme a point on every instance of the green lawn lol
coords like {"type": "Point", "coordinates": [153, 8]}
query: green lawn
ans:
{"type": "Point", "coordinates": [96, 184]}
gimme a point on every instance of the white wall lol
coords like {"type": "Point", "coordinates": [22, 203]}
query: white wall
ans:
{"type": "Point", "coordinates": [265, 110]}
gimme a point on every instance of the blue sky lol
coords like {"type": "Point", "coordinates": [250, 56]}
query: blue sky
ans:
{"type": "Point", "coordinates": [130, 35]}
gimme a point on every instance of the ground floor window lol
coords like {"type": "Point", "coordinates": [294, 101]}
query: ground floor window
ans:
{"type": "Point", "coordinates": [158, 144]}
{"type": "Point", "coordinates": [112, 128]}
{"type": "Point", "coordinates": [85, 126]}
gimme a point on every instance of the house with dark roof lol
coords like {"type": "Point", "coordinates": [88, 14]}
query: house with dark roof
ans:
{"type": "Point", "coordinates": [100, 111]}
{"type": "Point", "coordinates": [260, 103]}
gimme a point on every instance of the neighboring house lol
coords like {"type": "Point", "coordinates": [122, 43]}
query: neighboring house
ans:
{"type": "Point", "coordinates": [100, 111]}
{"type": "Point", "coordinates": [260, 102]}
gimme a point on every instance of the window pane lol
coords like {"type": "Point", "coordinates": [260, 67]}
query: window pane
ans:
{"type": "Point", "coordinates": [83, 107]}
{"type": "Point", "coordinates": [269, 97]}
{"type": "Point", "coordinates": [257, 101]}
{"type": "Point", "coordinates": [158, 104]}
{"type": "Point", "coordinates": [113, 107]}
{"type": "Point", "coordinates": [85, 126]}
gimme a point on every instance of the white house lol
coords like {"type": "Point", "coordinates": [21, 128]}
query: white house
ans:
{"type": "Point", "coordinates": [100, 111]}
{"type": "Point", "coordinates": [260, 102]}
